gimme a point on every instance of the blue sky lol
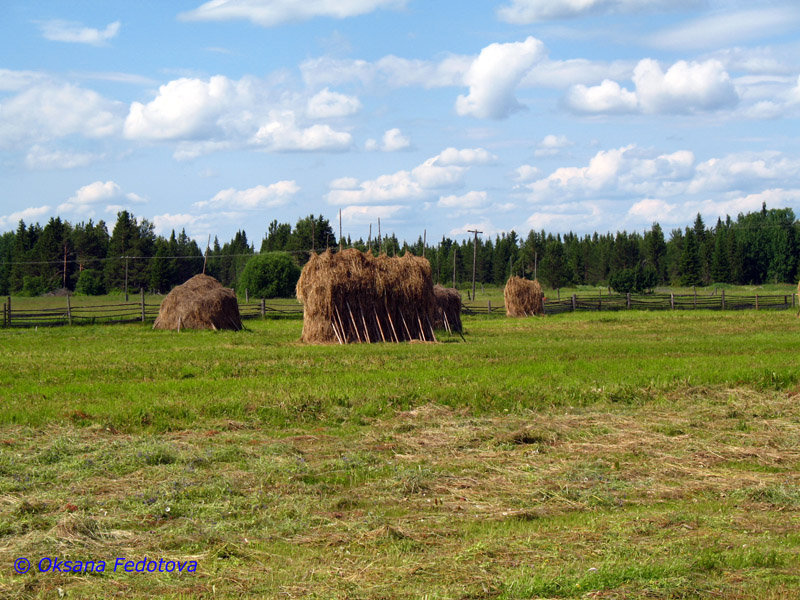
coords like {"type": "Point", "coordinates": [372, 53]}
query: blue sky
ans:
{"type": "Point", "coordinates": [564, 115]}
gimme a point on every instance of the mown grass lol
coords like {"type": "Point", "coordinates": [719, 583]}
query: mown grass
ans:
{"type": "Point", "coordinates": [585, 455]}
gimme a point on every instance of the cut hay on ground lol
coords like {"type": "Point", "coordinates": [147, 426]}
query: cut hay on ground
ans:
{"type": "Point", "coordinates": [200, 303]}
{"type": "Point", "coordinates": [352, 296]}
{"type": "Point", "coordinates": [523, 297]}
{"type": "Point", "coordinates": [448, 308]}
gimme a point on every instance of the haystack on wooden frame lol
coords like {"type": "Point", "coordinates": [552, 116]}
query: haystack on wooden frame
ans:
{"type": "Point", "coordinates": [523, 297]}
{"type": "Point", "coordinates": [199, 303]}
{"type": "Point", "coordinates": [448, 309]}
{"type": "Point", "coordinates": [352, 296]}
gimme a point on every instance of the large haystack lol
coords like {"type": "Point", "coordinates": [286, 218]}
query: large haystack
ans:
{"type": "Point", "coordinates": [199, 303]}
{"type": "Point", "coordinates": [448, 308]}
{"type": "Point", "coordinates": [523, 297]}
{"type": "Point", "coordinates": [352, 296]}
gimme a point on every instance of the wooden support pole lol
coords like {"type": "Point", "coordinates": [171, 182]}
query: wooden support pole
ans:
{"type": "Point", "coordinates": [263, 309]}
{"type": "Point", "coordinates": [430, 326]}
{"type": "Point", "coordinates": [4, 314]}
{"type": "Point", "coordinates": [694, 287]}
{"type": "Point", "coordinates": [364, 321]}
{"type": "Point", "coordinates": [9, 311]}
{"type": "Point", "coordinates": [378, 321]}
{"type": "Point", "coordinates": [141, 292]}
{"type": "Point", "coordinates": [723, 299]}
{"type": "Point", "coordinates": [421, 328]}
{"type": "Point", "coordinates": [756, 301]}
{"type": "Point", "coordinates": [628, 300]}
{"type": "Point", "coordinates": [353, 319]}
{"type": "Point", "coordinates": [246, 296]}
{"type": "Point", "coordinates": [69, 311]}
{"type": "Point", "coordinates": [489, 307]}
{"type": "Point", "coordinates": [341, 323]}
{"type": "Point", "coordinates": [672, 301]}
{"type": "Point", "coordinates": [333, 326]}
{"type": "Point", "coordinates": [391, 322]}
{"type": "Point", "coordinates": [574, 303]}
{"type": "Point", "coordinates": [408, 333]}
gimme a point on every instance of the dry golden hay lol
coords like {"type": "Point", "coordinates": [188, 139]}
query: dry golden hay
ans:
{"type": "Point", "coordinates": [199, 303]}
{"type": "Point", "coordinates": [448, 308]}
{"type": "Point", "coordinates": [523, 297]}
{"type": "Point", "coordinates": [352, 296]}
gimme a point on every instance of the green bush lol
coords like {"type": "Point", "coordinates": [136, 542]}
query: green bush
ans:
{"type": "Point", "coordinates": [638, 280]}
{"type": "Point", "coordinates": [269, 275]}
{"type": "Point", "coordinates": [34, 286]}
{"type": "Point", "coordinates": [90, 283]}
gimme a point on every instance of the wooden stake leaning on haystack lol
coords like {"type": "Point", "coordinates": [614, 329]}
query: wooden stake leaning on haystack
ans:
{"type": "Point", "coordinates": [352, 296]}
{"type": "Point", "coordinates": [523, 297]}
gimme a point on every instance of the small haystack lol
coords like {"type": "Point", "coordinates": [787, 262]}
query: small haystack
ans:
{"type": "Point", "coordinates": [523, 297]}
{"type": "Point", "coordinates": [199, 303]}
{"type": "Point", "coordinates": [352, 296]}
{"type": "Point", "coordinates": [448, 309]}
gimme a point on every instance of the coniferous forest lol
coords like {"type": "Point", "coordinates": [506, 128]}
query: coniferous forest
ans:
{"type": "Point", "coordinates": [91, 258]}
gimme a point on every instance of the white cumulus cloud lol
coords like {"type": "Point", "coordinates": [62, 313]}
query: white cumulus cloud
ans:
{"type": "Point", "coordinates": [269, 13]}
{"type": "Point", "coordinates": [494, 76]}
{"type": "Point", "coordinates": [87, 198]}
{"type": "Point", "coordinates": [281, 134]}
{"type": "Point", "coordinates": [684, 88]}
{"type": "Point", "coordinates": [327, 104]}
{"type": "Point", "coordinates": [69, 31]}
{"type": "Point", "coordinates": [470, 200]}
{"type": "Point", "coordinates": [258, 197]}
{"type": "Point", "coordinates": [393, 141]}
{"type": "Point", "coordinates": [27, 215]}
{"type": "Point", "coordinates": [49, 110]}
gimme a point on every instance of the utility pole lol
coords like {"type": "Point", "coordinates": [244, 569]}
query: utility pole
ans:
{"type": "Point", "coordinates": [208, 243]}
{"type": "Point", "coordinates": [474, 258]}
{"type": "Point", "coordinates": [64, 282]}
{"type": "Point", "coordinates": [455, 251]}
{"type": "Point", "coordinates": [126, 277]}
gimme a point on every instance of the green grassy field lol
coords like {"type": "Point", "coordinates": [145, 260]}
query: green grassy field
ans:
{"type": "Point", "coordinates": [612, 455]}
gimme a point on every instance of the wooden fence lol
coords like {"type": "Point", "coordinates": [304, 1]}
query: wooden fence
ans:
{"type": "Point", "coordinates": [123, 312]}
{"type": "Point", "coordinates": [141, 311]}
{"type": "Point", "coordinates": [605, 302]}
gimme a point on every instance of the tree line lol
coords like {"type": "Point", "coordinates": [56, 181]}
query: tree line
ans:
{"type": "Point", "coordinates": [755, 248]}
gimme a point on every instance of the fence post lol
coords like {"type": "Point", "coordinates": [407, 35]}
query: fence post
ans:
{"type": "Point", "coordinates": [246, 296]}
{"type": "Point", "coordinates": [756, 301]}
{"type": "Point", "coordinates": [4, 314]}
{"type": "Point", "coordinates": [723, 299]}
{"type": "Point", "coordinates": [263, 309]}
{"type": "Point", "coordinates": [628, 300]}
{"type": "Point", "coordinates": [574, 303]}
{"type": "Point", "coordinates": [489, 307]}
{"type": "Point", "coordinates": [672, 300]}
{"type": "Point", "coordinates": [558, 291]}
{"type": "Point", "coordinates": [9, 311]}
{"type": "Point", "coordinates": [792, 299]}
{"type": "Point", "coordinates": [69, 311]}
{"type": "Point", "coordinates": [694, 287]}
{"type": "Point", "coordinates": [141, 291]}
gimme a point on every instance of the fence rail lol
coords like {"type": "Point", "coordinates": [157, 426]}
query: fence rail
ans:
{"type": "Point", "coordinates": [612, 302]}
{"type": "Point", "coordinates": [141, 311]}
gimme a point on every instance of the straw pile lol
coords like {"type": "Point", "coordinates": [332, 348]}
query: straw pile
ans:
{"type": "Point", "coordinates": [199, 303]}
{"type": "Point", "coordinates": [352, 296]}
{"type": "Point", "coordinates": [448, 309]}
{"type": "Point", "coordinates": [523, 297]}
